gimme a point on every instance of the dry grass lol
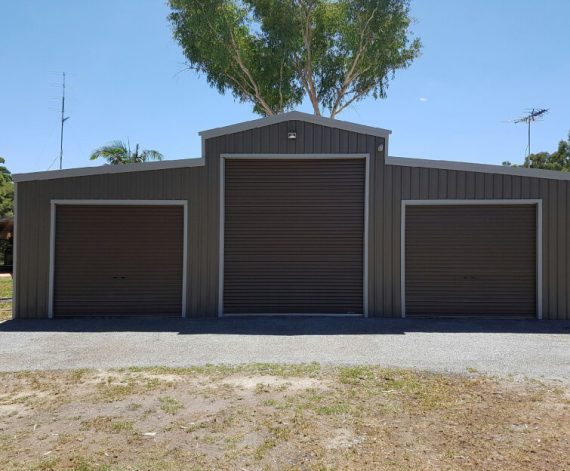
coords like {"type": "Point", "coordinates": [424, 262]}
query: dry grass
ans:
{"type": "Point", "coordinates": [258, 417]}
{"type": "Point", "coordinates": [5, 292]}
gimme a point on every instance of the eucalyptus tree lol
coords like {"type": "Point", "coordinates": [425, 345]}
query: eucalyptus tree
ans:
{"type": "Point", "coordinates": [274, 53]}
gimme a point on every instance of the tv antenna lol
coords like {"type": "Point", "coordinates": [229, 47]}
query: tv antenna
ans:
{"type": "Point", "coordinates": [535, 114]}
{"type": "Point", "coordinates": [63, 120]}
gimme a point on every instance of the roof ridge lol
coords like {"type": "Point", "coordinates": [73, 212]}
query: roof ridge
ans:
{"type": "Point", "coordinates": [294, 116]}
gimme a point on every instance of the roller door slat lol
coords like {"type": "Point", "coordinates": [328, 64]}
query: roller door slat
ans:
{"type": "Point", "coordinates": [118, 260]}
{"type": "Point", "coordinates": [294, 236]}
{"type": "Point", "coordinates": [470, 260]}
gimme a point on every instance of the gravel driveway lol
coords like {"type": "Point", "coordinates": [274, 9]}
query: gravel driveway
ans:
{"type": "Point", "coordinates": [530, 348]}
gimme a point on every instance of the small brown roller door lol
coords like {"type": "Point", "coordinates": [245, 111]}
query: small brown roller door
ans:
{"type": "Point", "coordinates": [119, 260]}
{"type": "Point", "coordinates": [294, 236]}
{"type": "Point", "coordinates": [476, 260]}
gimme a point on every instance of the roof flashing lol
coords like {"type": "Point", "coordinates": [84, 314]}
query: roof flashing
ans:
{"type": "Point", "coordinates": [481, 168]}
{"type": "Point", "coordinates": [108, 169]}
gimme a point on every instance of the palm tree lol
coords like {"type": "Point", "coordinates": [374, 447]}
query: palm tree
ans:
{"type": "Point", "coordinates": [117, 153]}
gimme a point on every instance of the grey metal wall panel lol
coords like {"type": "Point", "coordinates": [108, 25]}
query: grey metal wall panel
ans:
{"type": "Point", "coordinates": [200, 187]}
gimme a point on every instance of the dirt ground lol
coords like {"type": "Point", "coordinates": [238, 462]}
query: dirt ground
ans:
{"type": "Point", "coordinates": [259, 417]}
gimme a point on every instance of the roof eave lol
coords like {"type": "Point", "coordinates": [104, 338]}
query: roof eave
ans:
{"type": "Point", "coordinates": [108, 169]}
{"type": "Point", "coordinates": [481, 168]}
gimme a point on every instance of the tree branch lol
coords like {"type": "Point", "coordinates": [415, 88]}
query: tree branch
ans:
{"type": "Point", "coordinates": [256, 95]}
{"type": "Point", "coordinates": [308, 79]}
{"type": "Point", "coordinates": [351, 75]}
{"type": "Point", "coordinates": [355, 97]}
{"type": "Point", "coordinates": [258, 98]}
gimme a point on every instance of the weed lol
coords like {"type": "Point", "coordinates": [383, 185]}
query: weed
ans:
{"type": "Point", "coordinates": [170, 405]}
{"type": "Point", "coordinates": [77, 375]}
{"type": "Point", "coordinates": [355, 374]}
{"type": "Point", "coordinates": [107, 424]}
{"type": "Point", "coordinates": [333, 409]}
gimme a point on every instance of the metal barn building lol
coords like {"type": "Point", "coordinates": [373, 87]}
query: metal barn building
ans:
{"type": "Point", "coordinates": [293, 214]}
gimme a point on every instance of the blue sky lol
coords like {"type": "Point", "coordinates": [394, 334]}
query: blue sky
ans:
{"type": "Point", "coordinates": [483, 63]}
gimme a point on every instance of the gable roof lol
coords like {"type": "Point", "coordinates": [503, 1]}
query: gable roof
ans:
{"type": "Point", "coordinates": [291, 116]}
{"type": "Point", "coordinates": [295, 116]}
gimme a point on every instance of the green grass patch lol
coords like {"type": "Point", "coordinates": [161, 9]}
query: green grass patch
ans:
{"type": "Point", "coordinates": [355, 374]}
{"type": "Point", "coordinates": [5, 292]}
{"type": "Point", "coordinates": [333, 409]}
{"type": "Point", "coordinates": [270, 369]}
{"type": "Point", "coordinates": [5, 287]}
{"type": "Point", "coordinates": [108, 425]}
{"type": "Point", "coordinates": [170, 405]}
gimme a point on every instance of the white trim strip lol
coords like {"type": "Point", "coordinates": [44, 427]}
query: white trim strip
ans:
{"type": "Point", "coordinates": [481, 168]}
{"type": "Point", "coordinates": [444, 202]}
{"type": "Point", "coordinates": [295, 116]}
{"type": "Point", "coordinates": [185, 259]}
{"type": "Point", "coordinates": [269, 314]}
{"type": "Point", "coordinates": [472, 202]}
{"type": "Point", "coordinates": [403, 260]}
{"type": "Point", "coordinates": [294, 156]}
{"type": "Point", "coordinates": [51, 257]}
{"type": "Point", "coordinates": [120, 202]}
{"type": "Point", "coordinates": [223, 157]}
{"type": "Point", "coordinates": [72, 202]}
{"type": "Point", "coordinates": [366, 236]}
{"type": "Point", "coordinates": [15, 254]}
{"type": "Point", "coordinates": [222, 237]}
{"type": "Point", "coordinates": [539, 259]}
{"type": "Point", "coordinates": [109, 169]}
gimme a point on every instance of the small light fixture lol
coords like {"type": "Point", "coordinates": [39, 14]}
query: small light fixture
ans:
{"type": "Point", "coordinates": [381, 148]}
{"type": "Point", "coordinates": [291, 135]}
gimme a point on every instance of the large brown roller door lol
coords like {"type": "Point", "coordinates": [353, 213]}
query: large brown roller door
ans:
{"type": "Point", "coordinates": [294, 236]}
{"type": "Point", "coordinates": [119, 260]}
{"type": "Point", "coordinates": [471, 260]}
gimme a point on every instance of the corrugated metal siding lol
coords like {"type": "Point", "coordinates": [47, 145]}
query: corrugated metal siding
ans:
{"type": "Point", "coordinates": [477, 260]}
{"type": "Point", "coordinates": [177, 184]}
{"type": "Point", "coordinates": [200, 187]}
{"type": "Point", "coordinates": [294, 236]}
{"type": "Point", "coordinates": [118, 260]}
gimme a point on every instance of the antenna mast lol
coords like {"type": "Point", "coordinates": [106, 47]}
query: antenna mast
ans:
{"type": "Point", "coordinates": [63, 120]}
{"type": "Point", "coordinates": [533, 115]}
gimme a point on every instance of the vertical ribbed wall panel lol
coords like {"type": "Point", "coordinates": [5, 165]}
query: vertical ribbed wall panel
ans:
{"type": "Point", "coordinates": [200, 187]}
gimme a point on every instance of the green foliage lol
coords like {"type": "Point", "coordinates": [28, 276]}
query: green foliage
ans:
{"type": "Point", "coordinates": [118, 153]}
{"type": "Point", "coordinates": [6, 190]}
{"type": "Point", "coordinates": [557, 160]}
{"type": "Point", "coordinates": [273, 53]}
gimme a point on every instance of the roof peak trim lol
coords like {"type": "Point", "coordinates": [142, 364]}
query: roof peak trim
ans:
{"type": "Point", "coordinates": [481, 168]}
{"type": "Point", "coordinates": [294, 116]}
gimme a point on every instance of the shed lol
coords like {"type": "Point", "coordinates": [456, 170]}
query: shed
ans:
{"type": "Point", "coordinates": [293, 214]}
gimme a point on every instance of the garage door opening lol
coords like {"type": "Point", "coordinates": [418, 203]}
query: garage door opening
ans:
{"type": "Point", "coordinates": [294, 236]}
{"type": "Point", "coordinates": [476, 259]}
{"type": "Point", "coordinates": [117, 259]}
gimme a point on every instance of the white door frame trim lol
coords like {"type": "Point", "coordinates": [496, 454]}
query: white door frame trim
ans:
{"type": "Point", "coordinates": [470, 202]}
{"type": "Point", "coordinates": [15, 254]}
{"type": "Point", "coordinates": [223, 158]}
{"type": "Point", "coordinates": [85, 202]}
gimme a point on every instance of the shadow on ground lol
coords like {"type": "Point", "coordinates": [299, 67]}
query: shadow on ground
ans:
{"type": "Point", "coordinates": [284, 325]}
